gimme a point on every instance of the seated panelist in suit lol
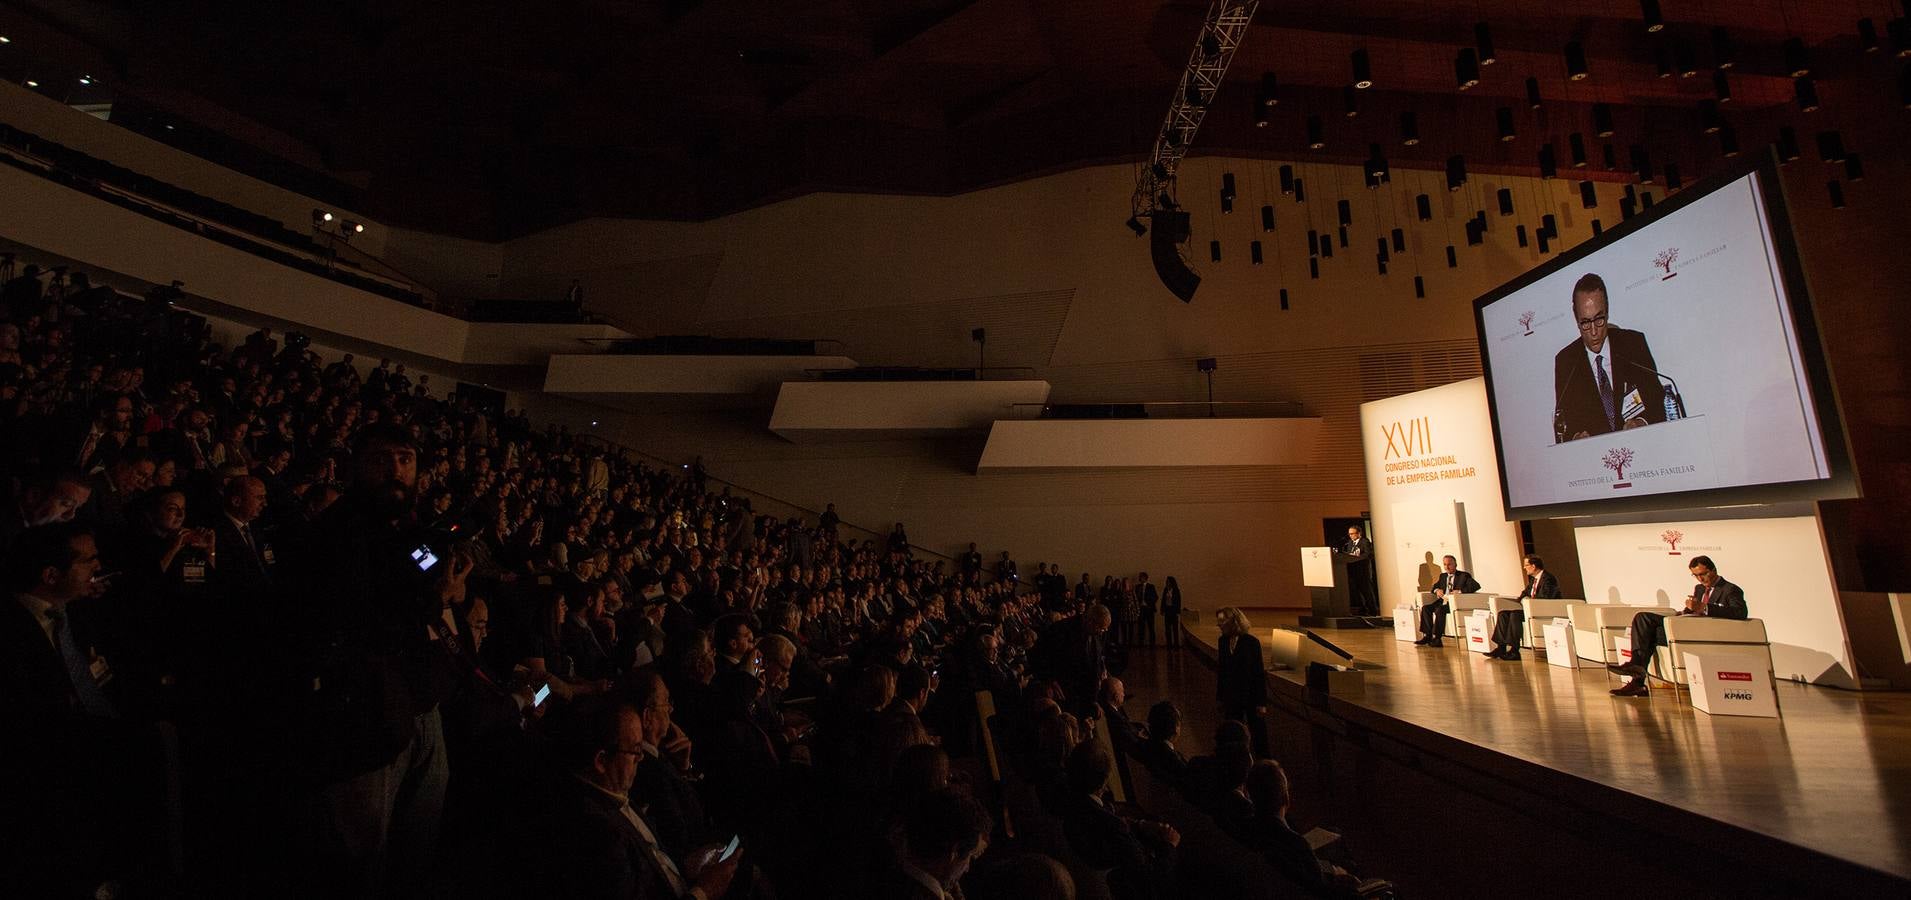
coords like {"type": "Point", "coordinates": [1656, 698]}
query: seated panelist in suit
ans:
{"type": "Point", "coordinates": [1595, 377]}
{"type": "Point", "coordinates": [1433, 616]}
{"type": "Point", "coordinates": [1540, 584]}
{"type": "Point", "coordinates": [1713, 597]}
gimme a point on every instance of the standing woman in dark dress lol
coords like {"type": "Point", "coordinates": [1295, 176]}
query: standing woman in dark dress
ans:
{"type": "Point", "coordinates": [1241, 676]}
{"type": "Point", "coordinates": [1171, 612]}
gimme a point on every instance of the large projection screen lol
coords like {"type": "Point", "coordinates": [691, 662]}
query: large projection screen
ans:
{"type": "Point", "coordinates": [1671, 363]}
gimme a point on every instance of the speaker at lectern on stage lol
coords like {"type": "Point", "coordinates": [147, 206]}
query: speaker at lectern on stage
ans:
{"type": "Point", "coordinates": [1324, 573]}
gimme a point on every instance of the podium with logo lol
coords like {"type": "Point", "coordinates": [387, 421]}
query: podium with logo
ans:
{"type": "Point", "coordinates": [1731, 681]}
{"type": "Point", "coordinates": [1324, 573]}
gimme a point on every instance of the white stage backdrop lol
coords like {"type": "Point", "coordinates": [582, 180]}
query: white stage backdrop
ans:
{"type": "Point", "coordinates": [1781, 564]}
{"type": "Point", "coordinates": [1425, 452]}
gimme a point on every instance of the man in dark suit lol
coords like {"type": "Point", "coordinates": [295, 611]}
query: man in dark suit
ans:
{"type": "Point", "coordinates": [1433, 616]}
{"type": "Point", "coordinates": [1125, 733]}
{"type": "Point", "coordinates": [602, 846]}
{"type": "Point", "coordinates": [670, 802]}
{"type": "Point", "coordinates": [1358, 553]}
{"type": "Point", "coordinates": [1147, 597]}
{"type": "Point", "coordinates": [1072, 653]}
{"type": "Point", "coordinates": [943, 833]}
{"type": "Point", "coordinates": [1143, 850]}
{"type": "Point", "coordinates": [1594, 377]}
{"type": "Point", "coordinates": [245, 570]}
{"type": "Point", "coordinates": [1713, 597]}
{"type": "Point", "coordinates": [1508, 627]}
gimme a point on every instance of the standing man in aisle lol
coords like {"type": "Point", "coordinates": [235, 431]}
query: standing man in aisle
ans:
{"type": "Point", "coordinates": [1712, 596]}
{"type": "Point", "coordinates": [1359, 555]}
{"type": "Point", "coordinates": [1433, 616]}
{"type": "Point", "coordinates": [1147, 597]}
{"type": "Point", "coordinates": [1540, 584]}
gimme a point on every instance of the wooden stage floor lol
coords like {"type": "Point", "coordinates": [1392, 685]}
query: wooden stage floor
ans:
{"type": "Point", "coordinates": [1832, 776]}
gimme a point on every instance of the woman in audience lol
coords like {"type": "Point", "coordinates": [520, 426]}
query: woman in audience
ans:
{"type": "Point", "coordinates": [1241, 675]}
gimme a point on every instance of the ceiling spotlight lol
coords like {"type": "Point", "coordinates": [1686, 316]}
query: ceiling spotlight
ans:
{"type": "Point", "coordinates": [1466, 69]}
{"type": "Point", "coordinates": [1210, 45]}
{"type": "Point", "coordinates": [1723, 54]}
{"type": "Point", "coordinates": [1868, 35]}
{"type": "Point", "coordinates": [1576, 61]}
{"type": "Point", "coordinates": [86, 79]}
{"type": "Point", "coordinates": [1483, 38]}
{"type": "Point", "coordinates": [1193, 93]}
{"type": "Point", "coordinates": [1602, 120]}
{"type": "Point", "coordinates": [1532, 93]}
{"type": "Point", "coordinates": [1315, 138]}
{"type": "Point", "coordinates": [1456, 172]}
{"type": "Point", "coordinates": [32, 84]}
{"type": "Point", "coordinates": [1350, 100]}
{"type": "Point", "coordinates": [1649, 10]}
{"type": "Point", "coordinates": [1831, 147]}
{"type": "Point", "coordinates": [1409, 128]}
{"type": "Point", "coordinates": [1504, 115]}
{"type": "Point", "coordinates": [320, 217]}
{"type": "Point", "coordinates": [1363, 69]}
{"type": "Point", "coordinates": [1795, 61]}
{"type": "Point", "coordinates": [1787, 144]}
{"type": "Point", "coordinates": [1709, 120]}
{"type": "Point", "coordinates": [1260, 115]}
{"type": "Point", "coordinates": [1807, 92]}
{"type": "Point", "coordinates": [1268, 85]}
{"type": "Point", "coordinates": [1684, 61]}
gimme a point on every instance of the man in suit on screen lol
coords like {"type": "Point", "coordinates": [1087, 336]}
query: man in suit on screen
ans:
{"type": "Point", "coordinates": [1607, 380]}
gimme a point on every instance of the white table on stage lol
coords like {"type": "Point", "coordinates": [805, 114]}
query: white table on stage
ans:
{"type": "Point", "coordinates": [1559, 644]}
{"type": "Point", "coordinates": [1406, 623]}
{"type": "Point", "coordinates": [1479, 631]}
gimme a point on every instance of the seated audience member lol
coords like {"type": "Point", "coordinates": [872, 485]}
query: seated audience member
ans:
{"type": "Point", "coordinates": [1029, 876]}
{"type": "Point", "coordinates": [1433, 616]}
{"type": "Point", "coordinates": [1123, 732]}
{"type": "Point", "coordinates": [1713, 597]}
{"type": "Point", "coordinates": [1228, 800]}
{"type": "Point", "coordinates": [942, 836]}
{"type": "Point", "coordinates": [1139, 852]}
{"type": "Point", "coordinates": [673, 807]}
{"type": "Point", "coordinates": [602, 846]}
{"type": "Point", "coordinates": [1158, 752]}
{"type": "Point", "coordinates": [1509, 627]}
{"type": "Point", "coordinates": [1286, 850]}
{"type": "Point", "coordinates": [44, 499]}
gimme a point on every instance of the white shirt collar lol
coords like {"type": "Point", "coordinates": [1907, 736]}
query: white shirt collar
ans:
{"type": "Point", "coordinates": [1605, 350]}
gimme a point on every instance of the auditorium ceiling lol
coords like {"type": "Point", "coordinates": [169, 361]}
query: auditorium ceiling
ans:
{"type": "Point", "coordinates": [490, 119]}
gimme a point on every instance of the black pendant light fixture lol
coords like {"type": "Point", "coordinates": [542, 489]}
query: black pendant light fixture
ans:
{"type": "Point", "coordinates": [1831, 147]}
{"type": "Point", "coordinates": [1409, 128]}
{"type": "Point", "coordinates": [1867, 35]}
{"type": "Point", "coordinates": [1797, 62]}
{"type": "Point", "coordinates": [1456, 172]}
{"type": "Point", "coordinates": [1300, 190]}
{"type": "Point", "coordinates": [1854, 167]}
{"type": "Point", "coordinates": [1453, 259]}
{"type": "Point", "coordinates": [1287, 179]}
{"type": "Point", "coordinates": [1709, 120]}
{"type": "Point", "coordinates": [1345, 210]}
{"type": "Point", "coordinates": [1806, 90]}
{"type": "Point", "coordinates": [1519, 234]}
{"type": "Point", "coordinates": [1837, 192]}
{"type": "Point", "coordinates": [1649, 11]}
{"type": "Point", "coordinates": [1363, 69]}
{"type": "Point", "coordinates": [1283, 299]}
{"type": "Point", "coordinates": [1505, 196]}
{"type": "Point", "coordinates": [1267, 217]}
{"type": "Point", "coordinates": [1548, 161]}
{"type": "Point", "coordinates": [1214, 251]}
{"type": "Point", "coordinates": [1576, 148]}
{"type": "Point", "coordinates": [1728, 142]}
{"type": "Point", "coordinates": [1466, 69]}
{"type": "Point", "coordinates": [1349, 101]}
{"type": "Point", "coordinates": [1532, 93]}
{"type": "Point", "coordinates": [1423, 205]}
{"type": "Point", "coordinates": [1503, 116]}
{"type": "Point", "coordinates": [1787, 144]}
{"type": "Point", "coordinates": [1399, 240]}
{"type": "Point", "coordinates": [1254, 252]}
{"type": "Point", "coordinates": [1483, 39]}
{"type": "Point", "coordinates": [1642, 163]}
{"type": "Point", "coordinates": [1316, 136]}
{"type": "Point", "coordinates": [1576, 69]}
{"type": "Point", "coordinates": [1269, 87]}
{"type": "Point", "coordinates": [1313, 242]}
{"type": "Point", "coordinates": [1684, 60]}
{"type": "Point", "coordinates": [1419, 287]}
{"type": "Point", "coordinates": [1602, 120]}
{"type": "Point", "coordinates": [1722, 86]}
{"type": "Point", "coordinates": [1724, 54]}
{"type": "Point", "coordinates": [1672, 180]}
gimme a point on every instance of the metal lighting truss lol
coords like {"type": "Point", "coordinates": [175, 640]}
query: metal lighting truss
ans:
{"type": "Point", "coordinates": [1227, 24]}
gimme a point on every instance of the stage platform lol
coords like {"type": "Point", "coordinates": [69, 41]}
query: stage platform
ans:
{"type": "Point", "coordinates": [1818, 801]}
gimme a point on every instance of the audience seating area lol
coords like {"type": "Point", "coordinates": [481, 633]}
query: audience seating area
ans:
{"type": "Point", "coordinates": [287, 626]}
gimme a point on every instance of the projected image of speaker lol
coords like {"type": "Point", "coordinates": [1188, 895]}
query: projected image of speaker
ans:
{"type": "Point", "coordinates": [1164, 243]}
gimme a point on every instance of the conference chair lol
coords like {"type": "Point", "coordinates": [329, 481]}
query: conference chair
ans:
{"type": "Point", "coordinates": [1459, 606]}
{"type": "Point", "coordinates": [1610, 620]}
{"type": "Point", "coordinates": [1540, 613]}
{"type": "Point", "coordinates": [1685, 632]}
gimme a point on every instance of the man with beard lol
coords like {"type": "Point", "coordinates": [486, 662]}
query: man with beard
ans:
{"type": "Point", "coordinates": [377, 595]}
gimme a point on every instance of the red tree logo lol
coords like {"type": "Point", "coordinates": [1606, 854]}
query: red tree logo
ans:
{"type": "Point", "coordinates": [1526, 321]}
{"type": "Point", "coordinates": [1617, 459]}
{"type": "Point", "coordinates": [1672, 537]}
{"type": "Point", "coordinates": [1664, 261]}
